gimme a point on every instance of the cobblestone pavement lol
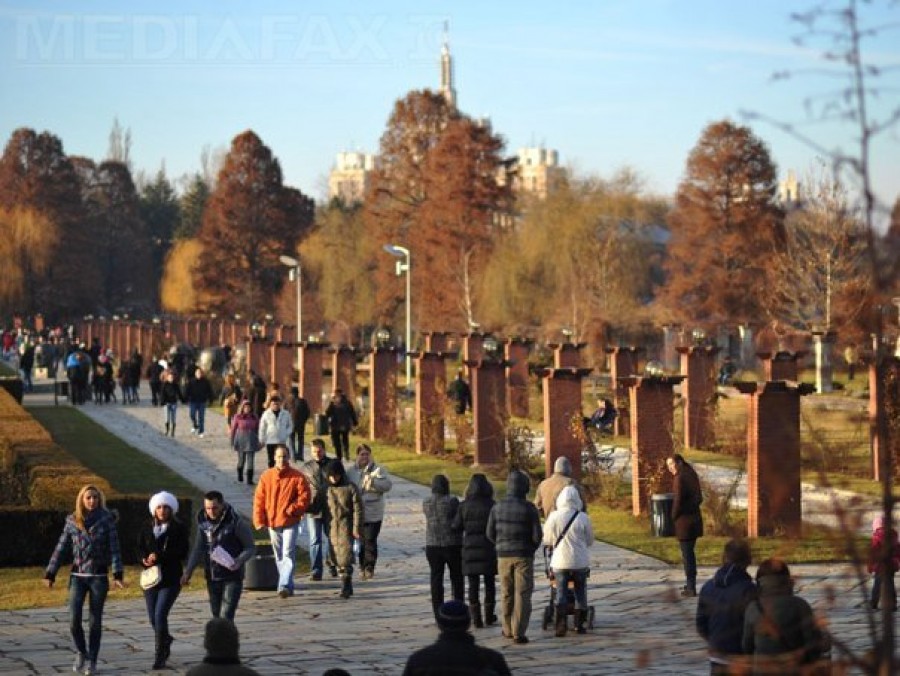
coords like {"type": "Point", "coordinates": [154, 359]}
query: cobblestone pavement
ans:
{"type": "Point", "coordinates": [641, 625]}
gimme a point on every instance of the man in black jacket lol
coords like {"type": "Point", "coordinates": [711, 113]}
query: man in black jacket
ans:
{"type": "Point", "coordinates": [720, 608]}
{"type": "Point", "coordinates": [455, 650]}
{"type": "Point", "coordinates": [299, 410]}
{"type": "Point", "coordinates": [199, 393]}
{"type": "Point", "coordinates": [341, 419]}
{"type": "Point", "coordinates": [515, 528]}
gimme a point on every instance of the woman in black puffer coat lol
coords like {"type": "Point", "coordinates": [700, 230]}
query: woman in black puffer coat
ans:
{"type": "Point", "coordinates": [163, 541]}
{"type": "Point", "coordinates": [479, 556]}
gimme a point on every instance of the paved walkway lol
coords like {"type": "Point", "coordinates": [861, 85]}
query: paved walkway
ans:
{"type": "Point", "coordinates": [641, 625]}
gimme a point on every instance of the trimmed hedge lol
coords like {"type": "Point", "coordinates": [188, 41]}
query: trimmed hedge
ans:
{"type": "Point", "coordinates": [44, 526]}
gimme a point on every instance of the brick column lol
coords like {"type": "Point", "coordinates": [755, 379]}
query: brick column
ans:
{"type": "Point", "coordinates": [652, 410]}
{"type": "Point", "coordinates": [623, 364]}
{"type": "Point", "coordinates": [773, 457]}
{"type": "Point", "coordinates": [311, 375]}
{"type": "Point", "coordinates": [131, 338]}
{"type": "Point", "coordinates": [516, 351]}
{"type": "Point", "coordinates": [383, 393]}
{"type": "Point", "coordinates": [436, 341]}
{"type": "Point", "coordinates": [282, 366]}
{"type": "Point", "coordinates": [698, 364]}
{"type": "Point", "coordinates": [823, 343]}
{"type": "Point", "coordinates": [489, 410]}
{"type": "Point", "coordinates": [473, 348]}
{"type": "Point", "coordinates": [286, 333]}
{"type": "Point", "coordinates": [431, 388]}
{"type": "Point", "coordinates": [343, 370]}
{"type": "Point", "coordinates": [562, 403]}
{"type": "Point", "coordinates": [566, 355]}
{"type": "Point", "coordinates": [259, 358]}
{"type": "Point", "coordinates": [891, 396]}
{"type": "Point", "coordinates": [780, 366]}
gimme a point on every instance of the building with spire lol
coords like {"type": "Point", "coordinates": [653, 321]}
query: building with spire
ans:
{"type": "Point", "coordinates": [447, 90]}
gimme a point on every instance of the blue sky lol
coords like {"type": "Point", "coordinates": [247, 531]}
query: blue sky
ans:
{"type": "Point", "coordinates": [609, 84]}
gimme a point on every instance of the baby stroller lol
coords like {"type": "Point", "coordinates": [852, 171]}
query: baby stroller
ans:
{"type": "Point", "coordinates": [547, 618]}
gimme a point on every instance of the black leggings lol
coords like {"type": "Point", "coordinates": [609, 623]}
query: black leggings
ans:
{"type": "Point", "coordinates": [490, 589]}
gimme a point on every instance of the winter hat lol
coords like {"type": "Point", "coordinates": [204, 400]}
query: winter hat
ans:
{"type": "Point", "coordinates": [221, 640]}
{"type": "Point", "coordinates": [878, 522]}
{"type": "Point", "coordinates": [454, 616]}
{"type": "Point", "coordinates": [562, 466]}
{"type": "Point", "coordinates": [164, 498]}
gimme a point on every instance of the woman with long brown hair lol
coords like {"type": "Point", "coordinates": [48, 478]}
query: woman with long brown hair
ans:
{"type": "Point", "coordinates": [91, 537]}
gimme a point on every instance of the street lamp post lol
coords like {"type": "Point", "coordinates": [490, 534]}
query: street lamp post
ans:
{"type": "Point", "coordinates": [404, 266]}
{"type": "Point", "coordinates": [294, 265]}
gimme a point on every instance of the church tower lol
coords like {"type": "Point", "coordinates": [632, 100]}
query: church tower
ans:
{"type": "Point", "coordinates": [447, 89]}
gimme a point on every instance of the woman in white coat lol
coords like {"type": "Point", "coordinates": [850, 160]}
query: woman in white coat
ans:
{"type": "Point", "coordinates": [569, 532]}
{"type": "Point", "coordinates": [276, 427]}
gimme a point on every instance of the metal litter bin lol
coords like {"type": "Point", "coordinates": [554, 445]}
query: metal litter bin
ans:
{"type": "Point", "coordinates": [661, 523]}
{"type": "Point", "coordinates": [320, 423]}
{"type": "Point", "coordinates": [260, 572]}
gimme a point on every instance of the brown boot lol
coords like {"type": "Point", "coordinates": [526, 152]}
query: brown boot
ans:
{"type": "Point", "coordinates": [561, 625]}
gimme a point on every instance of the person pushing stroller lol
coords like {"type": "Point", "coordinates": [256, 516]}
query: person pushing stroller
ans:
{"type": "Point", "coordinates": [569, 533]}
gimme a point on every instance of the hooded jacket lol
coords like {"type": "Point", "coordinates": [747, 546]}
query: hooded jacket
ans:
{"type": "Point", "coordinates": [479, 556]}
{"type": "Point", "coordinates": [95, 548]}
{"type": "Point", "coordinates": [245, 431]}
{"type": "Point", "coordinates": [720, 609]}
{"type": "Point", "coordinates": [275, 429]}
{"type": "Point", "coordinates": [346, 516]}
{"type": "Point", "coordinates": [572, 552]}
{"type": "Point", "coordinates": [373, 482]}
{"type": "Point", "coordinates": [514, 525]}
{"type": "Point", "coordinates": [440, 511]}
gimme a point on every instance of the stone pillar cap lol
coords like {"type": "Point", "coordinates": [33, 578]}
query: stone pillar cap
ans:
{"type": "Point", "coordinates": [479, 363]}
{"type": "Point", "coordinates": [632, 381]}
{"type": "Point", "coordinates": [751, 387]}
{"type": "Point", "coordinates": [690, 349]}
{"type": "Point", "coordinates": [563, 372]}
{"type": "Point", "coordinates": [610, 349]}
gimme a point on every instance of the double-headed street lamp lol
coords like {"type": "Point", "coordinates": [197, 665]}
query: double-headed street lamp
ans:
{"type": "Point", "coordinates": [404, 266]}
{"type": "Point", "coordinates": [294, 275]}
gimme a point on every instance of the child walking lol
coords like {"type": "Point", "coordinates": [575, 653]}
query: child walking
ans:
{"type": "Point", "coordinates": [882, 539]}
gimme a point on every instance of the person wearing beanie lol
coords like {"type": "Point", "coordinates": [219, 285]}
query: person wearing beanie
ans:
{"type": "Point", "coordinates": [244, 434]}
{"type": "Point", "coordinates": [222, 644]}
{"type": "Point", "coordinates": [279, 504]}
{"type": "Point", "coordinates": [515, 529]}
{"type": "Point", "coordinates": [346, 518]}
{"type": "Point", "coordinates": [443, 543]}
{"type": "Point", "coordinates": [885, 547]}
{"type": "Point", "coordinates": [455, 651]}
{"type": "Point", "coordinates": [549, 489]}
{"type": "Point", "coordinates": [163, 541]}
{"type": "Point", "coordinates": [90, 535]}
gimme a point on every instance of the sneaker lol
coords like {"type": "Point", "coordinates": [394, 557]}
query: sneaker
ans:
{"type": "Point", "coordinates": [193, 430]}
{"type": "Point", "coordinates": [90, 669]}
{"type": "Point", "coordinates": [78, 664]}
{"type": "Point", "coordinates": [284, 593]}
{"type": "Point", "coordinates": [200, 434]}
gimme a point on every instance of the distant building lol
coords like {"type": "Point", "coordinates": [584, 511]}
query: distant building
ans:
{"type": "Point", "coordinates": [790, 193]}
{"type": "Point", "coordinates": [447, 90]}
{"type": "Point", "coordinates": [536, 171]}
{"type": "Point", "coordinates": [349, 178]}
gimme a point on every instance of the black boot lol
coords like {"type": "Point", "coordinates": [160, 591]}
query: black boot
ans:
{"type": "Point", "coordinates": [347, 588]}
{"type": "Point", "coordinates": [249, 477]}
{"type": "Point", "coordinates": [240, 476]}
{"type": "Point", "coordinates": [490, 619]}
{"type": "Point", "coordinates": [561, 626]}
{"type": "Point", "coordinates": [173, 429]}
{"type": "Point", "coordinates": [475, 608]}
{"type": "Point", "coordinates": [167, 429]}
{"type": "Point", "coordinates": [580, 620]}
{"type": "Point", "coordinates": [160, 659]}
{"type": "Point", "coordinates": [168, 648]}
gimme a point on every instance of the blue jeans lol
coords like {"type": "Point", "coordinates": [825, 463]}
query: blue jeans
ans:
{"type": "Point", "coordinates": [170, 413]}
{"type": "Point", "coordinates": [690, 562]}
{"type": "Point", "coordinates": [96, 587]}
{"type": "Point", "coordinates": [224, 596]}
{"type": "Point", "coordinates": [579, 578]}
{"type": "Point", "coordinates": [198, 415]}
{"type": "Point", "coordinates": [284, 545]}
{"type": "Point", "coordinates": [317, 544]}
{"type": "Point", "coordinates": [159, 602]}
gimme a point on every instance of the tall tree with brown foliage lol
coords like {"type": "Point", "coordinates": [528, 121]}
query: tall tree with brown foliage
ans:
{"type": "Point", "coordinates": [725, 224]}
{"type": "Point", "coordinates": [397, 189]}
{"type": "Point", "coordinates": [36, 175]}
{"type": "Point", "coordinates": [250, 220]}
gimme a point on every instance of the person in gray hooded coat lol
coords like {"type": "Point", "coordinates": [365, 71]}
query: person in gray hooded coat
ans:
{"type": "Point", "coordinates": [515, 528]}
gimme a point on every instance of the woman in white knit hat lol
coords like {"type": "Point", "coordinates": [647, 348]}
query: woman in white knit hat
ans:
{"type": "Point", "coordinates": [163, 542]}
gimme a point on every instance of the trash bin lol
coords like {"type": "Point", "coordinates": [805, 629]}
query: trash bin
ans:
{"type": "Point", "coordinates": [260, 572]}
{"type": "Point", "coordinates": [320, 423]}
{"type": "Point", "coordinates": [661, 523]}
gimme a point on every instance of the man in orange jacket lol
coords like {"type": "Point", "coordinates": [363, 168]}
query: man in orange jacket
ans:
{"type": "Point", "coordinates": [282, 498]}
